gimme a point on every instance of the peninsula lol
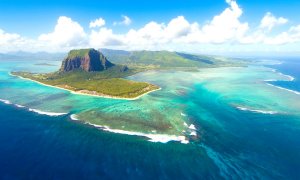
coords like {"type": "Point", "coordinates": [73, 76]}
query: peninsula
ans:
{"type": "Point", "coordinates": [89, 72]}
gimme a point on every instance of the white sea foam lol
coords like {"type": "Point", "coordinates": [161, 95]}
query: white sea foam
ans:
{"type": "Point", "coordinates": [163, 138]}
{"type": "Point", "coordinates": [290, 78]}
{"type": "Point", "coordinates": [192, 126]}
{"type": "Point", "coordinates": [256, 110]}
{"type": "Point", "coordinates": [293, 91]}
{"type": "Point", "coordinates": [8, 102]}
{"type": "Point", "coordinates": [5, 101]}
{"type": "Point", "coordinates": [182, 114]}
{"type": "Point", "coordinates": [33, 110]}
{"type": "Point", "coordinates": [19, 106]}
{"type": "Point", "coordinates": [270, 80]}
{"type": "Point", "coordinates": [46, 113]}
{"type": "Point", "coordinates": [74, 117]}
{"type": "Point", "coordinates": [193, 133]}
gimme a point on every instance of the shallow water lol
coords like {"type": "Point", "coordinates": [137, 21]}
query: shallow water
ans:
{"type": "Point", "coordinates": [237, 136]}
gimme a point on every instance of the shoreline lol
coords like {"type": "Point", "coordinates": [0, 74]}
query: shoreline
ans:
{"type": "Point", "coordinates": [86, 94]}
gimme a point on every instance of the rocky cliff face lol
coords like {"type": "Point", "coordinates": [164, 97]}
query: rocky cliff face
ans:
{"type": "Point", "coordinates": [85, 59]}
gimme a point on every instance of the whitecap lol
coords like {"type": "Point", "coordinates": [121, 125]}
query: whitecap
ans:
{"type": "Point", "coordinates": [34, 110]}
{"type": "Point", "coordinates": [293, 91]}
{"type": "Point", "coordinates": [8, 102]}
{"type": "Point", "coordinates": [193, 133]}
{"type": "Point", "coordinates": [182, 114]}
{"type": "Point", "coordinates": [74, 117]}
{"type": "Point", "coordinates": [5, 101]}
{"type": "Point", "coordinates": [162, 138]}
{"type": "Point", "coordinates": [291, 78]}
{"type": "Point", "coordinates": [46, 113]}
{"type": "Point", "coordinates": [19, 106]}
{"type": "Point", "coordinates": [256, 110]}
{"type": "Point", "coordinates": [270, 80]}
{"type": "Point", "coordinates": [192, 126]}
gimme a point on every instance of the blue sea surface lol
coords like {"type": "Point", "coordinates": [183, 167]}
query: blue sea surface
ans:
{"type": "Point", "coordinates": [290, 66]}
{"type": "Point", "coordinates": [36, 146]}
{"type": "Point", "coordinates": [233, 144]}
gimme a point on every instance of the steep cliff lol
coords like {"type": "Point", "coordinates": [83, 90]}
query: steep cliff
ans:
{"type": "Point", "coordinates": [85, 59]}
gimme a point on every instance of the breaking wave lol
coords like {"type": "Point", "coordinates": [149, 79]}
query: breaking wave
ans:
{"type": "Point", "coordinates": [256, 110]}
{"type": "Point", "coordinates": [33, 110]}
{"type": "Point", "coordinates": [163, 138]}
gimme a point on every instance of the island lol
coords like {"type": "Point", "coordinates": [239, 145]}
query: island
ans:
{"type": "Point", "coordinates": [89, 72]}
{"type": "Point", "coordinates": [106, 73]}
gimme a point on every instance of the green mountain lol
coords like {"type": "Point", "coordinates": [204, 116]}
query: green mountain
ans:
{"type": "Point", "coordinates": [164, 59]}
{"type": "Point", "coordinates": [87, 71]}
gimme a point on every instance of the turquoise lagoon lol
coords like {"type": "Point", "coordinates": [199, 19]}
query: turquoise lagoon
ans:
{"type": "Point", "coordinates": [229, 122]}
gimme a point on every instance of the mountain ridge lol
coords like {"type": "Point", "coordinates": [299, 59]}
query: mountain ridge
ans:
{"type": "Point", "coordinates": [85, 59]}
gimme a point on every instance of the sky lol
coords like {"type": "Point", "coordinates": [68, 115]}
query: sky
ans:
{"type": "Point", "coordinates": [198, 26]}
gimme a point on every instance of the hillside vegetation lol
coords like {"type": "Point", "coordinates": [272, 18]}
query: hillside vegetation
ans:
{"type": "Point", "coordinates": [108, 83]}
{"type": "Point", "coordinates": [88, 71]}
{"type": "Point", "coordinates": [166, 59]}
{"type": "Point", "coordinates": [93, 72]}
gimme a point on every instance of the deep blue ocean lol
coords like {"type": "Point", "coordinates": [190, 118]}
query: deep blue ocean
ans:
{"type": "Point", "coordinates": [290, 66]}
{"type": "Point", "coordinates": [245, 146]}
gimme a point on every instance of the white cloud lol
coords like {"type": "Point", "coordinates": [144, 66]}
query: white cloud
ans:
{"type": "Point", "coordinates": [222, 32]}
{"type": "Point", "coordinates": [223, 27]}
{"type": "Point", "coordinates": [6, 38]}
{"type": "Point", "coordinates": [177, 27]}
{"type": "Point", "coordinates": [67, 33]}
{"type": "Point", "coordinates": [154, 35]}
{"type": "Point", "coordinates": [126, 21]}
{"type": "Point", "coordinates": [14, 42]}
{"type": "Point", "coordinates": [263, 33]}
{"type": "Point", "coordinates": [269, 21]}
{"type": "Point", "coordinates": [97, 23]}
{"type": "Point", "coordinates": [104, 38]}
{"type": "Point", "coordinates": [146, 37]}
{"type": "Point", "coordinates": [290, 36]}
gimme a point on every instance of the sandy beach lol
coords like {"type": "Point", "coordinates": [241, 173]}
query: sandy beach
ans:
{"type": "Point", "coordinates": [86, 92]}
